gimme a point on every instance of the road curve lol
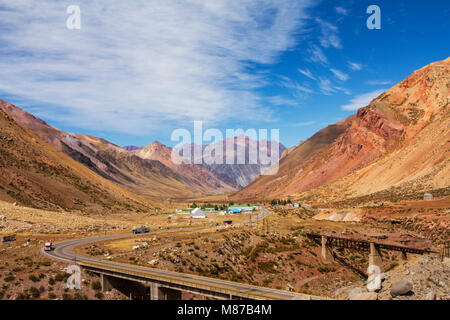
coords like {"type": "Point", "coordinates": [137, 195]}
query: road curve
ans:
{"type": "Point", "coordinates": [65, 251]}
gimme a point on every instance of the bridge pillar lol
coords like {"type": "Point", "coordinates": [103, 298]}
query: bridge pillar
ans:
{"type": "Point", "coordinates": [326, 252]}
{"type": "Point", "coordinates": [170, 294]}
{"type": "Point", "coordinates": [403, 256]}
{"type": "Point", "coordinates": [155, 291]}
{"type": "Point", "coordinates": [375, 256]}
{"type": "Point", "coordinates": [106, 282]}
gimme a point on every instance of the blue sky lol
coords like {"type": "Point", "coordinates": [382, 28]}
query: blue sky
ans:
{"type": "Point", "coordinates": [133, 74]}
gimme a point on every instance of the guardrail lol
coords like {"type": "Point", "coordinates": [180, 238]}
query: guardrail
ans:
{"type": "Point", "coordinates": [226, 289]}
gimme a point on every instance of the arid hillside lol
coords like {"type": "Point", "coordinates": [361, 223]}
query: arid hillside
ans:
{"type": "Point", "coordinates": [400, 140]}
{"type": "Point", "coordinates": [148, 176]}
{"type": "Point", "coordinates": [237, 161]}
{"type": "Point", "coordinates": [196, 176]}
{"type": "Point", "coordinates": [35, 174]}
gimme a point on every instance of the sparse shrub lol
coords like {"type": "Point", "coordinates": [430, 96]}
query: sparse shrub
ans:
{"type": "Point", "coordinates": [23, 296]}
{"type": "Point", "coordinates": [99, 295]}
{"type": "Point", "coordinates": [62, 276]}
{"type": "Point", "coordinates": [35, 293]}
{"type": "Point", "coordinates": [46, 263]}
{"type": "Point", "coordinates": [96, 285]}
{"type": "Point", "coordinates": [67, 296]}
{"type": "Point", "coordinates": [34, 278]}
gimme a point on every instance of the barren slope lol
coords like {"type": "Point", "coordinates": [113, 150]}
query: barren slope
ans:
{"type": "Point", "coordinates": [149, 177]}
{"type": "Point", "coordinates": [35, 174]}
{"type": "Point", "coordinates": [401, 137]}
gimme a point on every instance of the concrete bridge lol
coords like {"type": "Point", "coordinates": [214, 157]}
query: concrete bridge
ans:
{"type": "Point", "coordinates": [158, 284]}
{"type": "Point", "coordinates": [166, 285]}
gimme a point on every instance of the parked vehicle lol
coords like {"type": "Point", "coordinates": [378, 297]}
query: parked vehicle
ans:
{"type": "Point", "coordinates": [8, 238]}
{"type": "Point", "coordinates": [141, 230]}
{"type": "Point", "coordinates": [48, 246]}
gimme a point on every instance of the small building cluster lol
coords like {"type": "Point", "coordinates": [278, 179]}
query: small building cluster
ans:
{"type": "Point", "coordinates": [198, 213]}
{"type": "Point", "coordinates": [241, 209]}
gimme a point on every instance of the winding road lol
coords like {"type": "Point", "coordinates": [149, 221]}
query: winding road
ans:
{"type": "Point", "coordinates": [65, 251]}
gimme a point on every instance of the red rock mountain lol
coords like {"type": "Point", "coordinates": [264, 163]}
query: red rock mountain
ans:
{"type": "Point", "coordinates": [35, 174]}
{"type": "Point", "coordinates": [163, 154]}
{"type": "Point", "coordinates": [240, 171]}
{"type": "Point", "coordinates": [147, 177]}
{"type": "Point", "coordinates": [401, 139]}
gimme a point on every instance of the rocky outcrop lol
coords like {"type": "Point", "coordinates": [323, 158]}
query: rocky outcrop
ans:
{"type": "Point", "coordinates": [401, 137]}
{"type": "Point", "coordinates": [401, 288]}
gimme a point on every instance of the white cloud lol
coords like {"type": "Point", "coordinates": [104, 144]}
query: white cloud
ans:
{"type": "Point", "coordinates": [341, 11]}
{"type": "Point", "coordinates": [303, 124]}
{"type": "Point", "coordinates": [328, 88]}
{"type": "Point", "coordinates": [136, 66]}
{"type": "Point", "coordinates": [298, 89]}
{"type": "Point", "coordinates": [282, 101]}
{"type": "Point", "coordinates": [362, 100]}
{"type": "Point", "coordinates": [329, 37]}
{"type": "Point", "coordinates": [378, 82]}
{"type": "Point", "coordinates": [307, 73]}
{"type": "Point", "coordinates": [355, 66]}
{"type": "Point", "coordinates": [339, 74]}
{"type": "Point", "coordinates": [317, 55]}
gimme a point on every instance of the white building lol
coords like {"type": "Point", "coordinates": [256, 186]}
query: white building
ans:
{"type": "Point", "coordinates": [198, 213]}
{"type": "Point", "coordinates": [428, 196]}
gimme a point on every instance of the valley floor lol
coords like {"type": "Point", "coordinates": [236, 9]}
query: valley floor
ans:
{"type": "Point", "coordinates": [274, 252]}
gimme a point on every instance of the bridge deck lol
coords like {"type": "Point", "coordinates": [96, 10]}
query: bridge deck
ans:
{"type": "Point", "coordinates": [364, 245]}
{"type": "Point", "coordinates": [200, 284]}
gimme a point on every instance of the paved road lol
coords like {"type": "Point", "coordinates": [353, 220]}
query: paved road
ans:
{"type": "Point", "coordinates": [65, 251]}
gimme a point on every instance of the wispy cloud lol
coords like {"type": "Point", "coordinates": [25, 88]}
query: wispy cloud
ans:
{"type": "Point", "coordinates": [355, 66]}
{"type": "Point", "coordinates": [297, 88]}
{"type": "Point", "coordinates": [282, 101]}
{"type": "Point", "coordinates": [134, 67]}
{"type": "Point", "coordinates": [303, 124]}
{"type": "Point", "coordinates": [329, 37]}
{"type": "Point", "coordinates": [316, 55]}
{"type": "Point", "coordinates": [378, 82]}
{"type": "Point", "coordinates": [307, 73]}
{"type": "Point", "coordinates": [362, 100]}
{"type": "Point", "coordinates": [339, 74]}
{"type": "Point", "coordinates": [327, 87]}
{"type": "Point", "coordinates": [341, 11]}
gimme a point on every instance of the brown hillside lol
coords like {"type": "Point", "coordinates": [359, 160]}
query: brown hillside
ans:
{"type": "Point", "coordinates": [401, 137]}
{"type": "Point", "coordinates": [147, 177]}
{"type": "Point", "coordinates": [35, 174]}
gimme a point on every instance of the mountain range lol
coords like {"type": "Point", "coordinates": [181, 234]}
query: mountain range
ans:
{"type": "Point", "coordinates": [145, 171]}
{"type": "Point", "coordinates": [396, 145]}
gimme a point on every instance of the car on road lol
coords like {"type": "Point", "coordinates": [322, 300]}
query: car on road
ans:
{"type": "Point", "coordinates": [141, 230]}
{"type": "Point", "coordinates": [8, 238]}
{"type": "Point", "coordinates": [48, 246]}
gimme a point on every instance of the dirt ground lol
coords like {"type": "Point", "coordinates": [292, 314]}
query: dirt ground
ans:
{"type": "Point", "coordinates": [274, 252]}
{"type": "Point", "coordinates": [27, 274]}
